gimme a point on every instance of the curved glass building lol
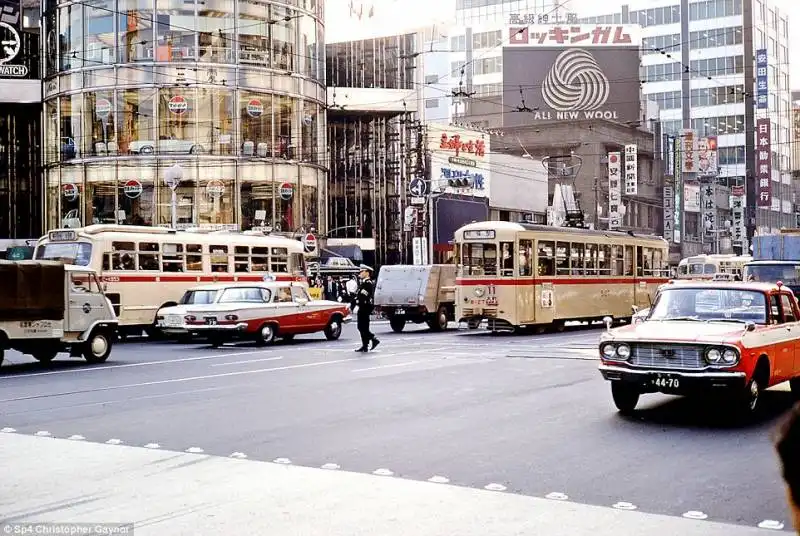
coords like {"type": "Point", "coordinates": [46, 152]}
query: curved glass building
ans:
{"type": "Point", "coordinates": [230, 91]}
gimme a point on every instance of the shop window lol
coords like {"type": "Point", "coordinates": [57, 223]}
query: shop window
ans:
{"type": "Point", "coordinates": [255, 114]}
{"type": "Point", "coordinates": [177, 129]}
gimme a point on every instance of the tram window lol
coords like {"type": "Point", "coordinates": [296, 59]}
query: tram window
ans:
{"type": "Point", "coordinates": [683, 269]}
{"type": "Point", "coordinates": [709, 269]}
{"type": "Point", "coordinates": [659, 266]}
{"type": "Point", "coordinates": [639, 261]}
{"type": "Point", "coordinates": [507, 258]}
{"type": "Point", "coordinates": [591, 259]}
{"type": "Point", "coordinates": [194, 258]}
{"type": "Point", "coordinates": [148, 256]}
{"type": "Point", "coordinates": [280, 260]}
{"type": "Point", "coordinates": [577, 258]}
{"type": "Point", "coordinates": [604, 260]}
{"type": "Point", "coordinates": [241, 258]}
{"type": "Point", "coordinates": [260, 259]}
{"type": "Point", "coordinates": [480, 259]}
{"type": "Point", "coordinates": [123, 255]}
{"type": "Point", "coordinates": [525, 257]}
{"type": "Point", "coordinates": [628, 260]}
{"type": "Point", "coordinates": [219, 258]}
{"type": "Point", "coordinates": [562, 258]}
{"type": "Point", "coordinates": [298, 263]}
{"type": "Point", "coordinates": [172, 259]}
{"type": "Point", "coordinates": [617, 260]}
{"type": "Point", "coordinates": [546, 263]}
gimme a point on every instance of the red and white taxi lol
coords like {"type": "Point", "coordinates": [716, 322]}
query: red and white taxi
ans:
{"type": "Point", "coordinates": [707, 336]}
{"type": "Point", "coordinates": [264, 311]}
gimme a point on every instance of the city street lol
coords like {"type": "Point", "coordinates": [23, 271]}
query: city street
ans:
{"type": "Point", "coordinates": [524, 423]}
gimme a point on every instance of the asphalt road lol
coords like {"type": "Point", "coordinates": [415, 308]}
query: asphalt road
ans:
{"type": "Point", "coordinates": [527, 415]}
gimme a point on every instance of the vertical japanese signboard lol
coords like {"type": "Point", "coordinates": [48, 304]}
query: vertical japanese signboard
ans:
{"type": "Point", "coordinates": [631, 170]}
{"type": "Point", "coordinates": [669, 213]}
{"type": "Point", "coordinates": [737, 215]}
{"type": "Point", "coordinates": [689, 152]}
{"type": "Point", "coordinates": [762, 79]}
{"type": "Point", "coordinates": [709, 203]}
{"type": "Point", "coordinates": [677, 162]}
{"type": "Point", "coordinates": [614, 189]}
{"type": "Point", "coordinates": [764, 162]}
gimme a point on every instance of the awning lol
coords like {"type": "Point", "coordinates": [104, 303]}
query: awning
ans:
{"type": "Point", "coordinates": [353, 253]}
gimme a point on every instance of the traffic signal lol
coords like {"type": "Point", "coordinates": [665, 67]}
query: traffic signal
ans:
{"type": "Point", "coordinates": [460, 183]}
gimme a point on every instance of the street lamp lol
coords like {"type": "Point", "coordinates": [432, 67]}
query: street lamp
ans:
{"type": "Point", "coordinates": [172, 178]}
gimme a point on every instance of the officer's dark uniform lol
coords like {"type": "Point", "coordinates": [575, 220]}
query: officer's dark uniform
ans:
{"type": "Point", "coordinates": [363, 299]}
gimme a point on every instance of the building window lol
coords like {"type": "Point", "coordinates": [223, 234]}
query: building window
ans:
{"type": "Point", "coordinates": [653, 16]}
{"type": "Point", "coordinates": [431, 103]}
{"type": "Point", "coordinates": [669, 100]}
{"type": "Point", "coordinates": [488, 65]}
{"type": "Point", "coordinates": [713, 96]}
{"type": "Point", "coordinates": [662, 72]}
{"type": "Point", "coordinates": [715, 37]}
{"type": "Point", "coordinates": [711, 9]}
{"type": "Point", "coordinates": [661, 43]}
{"type": "Point", "coordinates": [729, 156]}
{"type": "Point", "coordinates": [431, 79]}
{"type": "Point", "coordinates": [458, 43]}
{"type": "Point", "coordinates": [714, 126]}
{"type": "Point", "coordinates": [711, 67]}
{"type": "Point", "coordinates": [486, 39]}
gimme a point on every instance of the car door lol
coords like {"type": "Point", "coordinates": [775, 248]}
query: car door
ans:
{"type": "Point", "coordinates": [790, 317]}
{"type": "Point", "coordinates": [286, 309]}
{"type": "Point", "coordinates": [309, 316]}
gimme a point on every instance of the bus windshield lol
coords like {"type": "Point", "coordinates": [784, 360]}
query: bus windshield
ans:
{"type": "Point", "coordinates": [194, 297]}
{"type": "Point", "coordinates": [80, 253]}
{"type": "Point", "coordinates": [788, 273]}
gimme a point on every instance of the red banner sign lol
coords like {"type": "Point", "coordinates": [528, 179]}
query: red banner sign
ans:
{"type": "Point", "coordinates": [455, 143]}
{"type": "Point", "coordinates": [764, 162]}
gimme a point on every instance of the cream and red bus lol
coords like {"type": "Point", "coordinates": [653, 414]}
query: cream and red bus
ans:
{"type": "Point", "coordinates": [519, 276]}
{"type": "Point", "coordinates": [707, 266]}
{"type": "Point", "coordinates": [147, 268]}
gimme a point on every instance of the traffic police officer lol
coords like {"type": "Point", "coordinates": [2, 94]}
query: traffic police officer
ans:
{"type": "Point", "coordinates": [363, 299]}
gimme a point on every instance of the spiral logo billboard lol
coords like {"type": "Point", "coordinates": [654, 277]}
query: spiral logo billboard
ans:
{"type": "Point", "coordinates": [562, 76]}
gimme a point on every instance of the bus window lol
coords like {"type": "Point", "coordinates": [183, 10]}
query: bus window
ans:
{"type": "Point", "coordinates": [241, 259]}
{"type": "Point", "coordinates": [618, 260]}
{"type": "Point", "coordinates": [480, 259]}
{"type": "Point", "coordinates": [577, 258]}
{"type": "Point", "coordinates": [525, 257]}
{"type": "Point", "coordinates": [507, 259]}
{"type": "Point", "coordinates": [604, 260]}
{"type": "Point", "coordinates": [219, 258]}
{"type": "Point", "coordinates": [683, 269]}
{"type": "Point", "coordinates": [194, 258]}
{"type": "Point", "coordinates": [148, 256]}
{"type": "Point", "coordinates": [562, 258]}
{"type": "Point", "coordinates": [280, 260]}
{"type": "Point", "coordinates": [172, 259]}
{"type": "Point", "coordinates": [591, 259]}
{"type": "Point", "coordinates": [123, 256]}
{"type": "Point", "coordinates": [709, 269]}
{"type": "Point", "coordinates": [628, 261]}
{"type": "Point", "coordinates": [259, 262]}
{"type": "Point", "coordinates": [546, 258]}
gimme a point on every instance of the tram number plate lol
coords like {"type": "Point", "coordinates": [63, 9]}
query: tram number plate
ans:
{"type": "Point", "coordinates": [665, 382]}
{"type": "Point", "coordinates": [211, 321]}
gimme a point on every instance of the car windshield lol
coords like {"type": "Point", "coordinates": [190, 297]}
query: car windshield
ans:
{"type": "Point", "coordinates": [194, 297]}
{"type": "Point", "coordinates": [253, 295]}
{"type": "Point", "coordinates": [710, 304]}
{"type": "Point", "coordinates": [787, 273]}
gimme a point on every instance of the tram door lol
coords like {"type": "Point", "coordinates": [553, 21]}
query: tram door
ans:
{"type": "Point", "coordinates": [502, 295]}
{"type": "Point", "coordinates": [524, 290]}
{"type": "Point", "coordinates": [641, 289]}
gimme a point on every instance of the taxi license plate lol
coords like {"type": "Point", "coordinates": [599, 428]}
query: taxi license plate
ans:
{"type": "Point", "coordinates": [665, 381]}
{"type": "Point", "coordinates": [210, 321]}
{"type": "Point", "coordinates": [172, 321]}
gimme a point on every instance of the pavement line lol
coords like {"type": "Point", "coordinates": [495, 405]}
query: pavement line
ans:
{"type": "Point", "coordinates": [276, 358]}
{"type": "Point", "coordinates": [181, 380]}
{"type": "Point", "coordinates": [387, 366]}
{"type": "Point", "coordinates": [127, 365]}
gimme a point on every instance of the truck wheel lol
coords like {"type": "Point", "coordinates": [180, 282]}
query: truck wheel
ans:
{"type": "Point", "coordinates": [97, 348]}
{"type": "Point", "coordinates": [45, 355]}
{"type": "Point", "coordinates": [265, 335]}
{"type": "Point", "coordinates": [397, 324]}
{"type": "Point", "coordinates": [625, 397]}
{"type": "Point", "coordinates": [334, 329]}
{"type": "Point", "coordinates": [439, 320]}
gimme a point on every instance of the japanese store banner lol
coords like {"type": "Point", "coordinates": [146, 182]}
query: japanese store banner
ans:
{"type": "Point", "coordinates": [459, 154]}
{"type": "Point", "coordinates": [669, 213]}
{"type": "Point", "coordinates": [689, 151]}
{"type": "Point", "coordinates": [762, 79]}
{"type": "Point", "coordinates": [708, 196]}
{"type": "Point", "coordinates": [575, 35]}
{"type": "Point", "coordinates": [691, 194]}
{"type": "Point", "coordinates": [614, 189]}
{"type": "Point", "coordinates": [707, 164]}
{"type": "Point", "coordinates": [764, 162]}
{"type": "Point", "coordinates": [737, 215]}
{"type": "Point", "coordinates": [631, 170]}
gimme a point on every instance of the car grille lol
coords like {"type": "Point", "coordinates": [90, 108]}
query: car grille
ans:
{"type": "Point", "coordinates": [669, 356]}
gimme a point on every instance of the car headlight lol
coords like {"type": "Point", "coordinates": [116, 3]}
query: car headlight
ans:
{"type": "Point", "coordinates": [624, 351]}
{"type": "Point", "coordinates": [478, 292]}
{"type": "Point", "coordinates": [608, 350]}
{"type": "Point", "coordinates": [730, 356]}
{"type": "Point", "coordinates": [713, 355]}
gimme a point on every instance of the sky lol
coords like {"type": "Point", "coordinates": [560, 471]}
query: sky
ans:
{"type": "Point", "coordinates": [395, 16]}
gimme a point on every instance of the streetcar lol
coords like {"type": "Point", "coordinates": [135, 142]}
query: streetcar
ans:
{"type": "Point", "coordinates": [147, 268]}
{"type": "Point", "coordinates": [707, 266]}
{"type": "Point", "coordinates": [519, 276]}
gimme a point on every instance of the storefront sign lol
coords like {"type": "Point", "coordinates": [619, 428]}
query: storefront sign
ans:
{"type": "Point", "coordinates": [459, 145]}
{"type": "Point", "coordinates": [709, 208]}
{"type": "Point", "coordinates": [614, 189]}
{"type": "Point", "coordinates": [689, 156]}
{"type": "Point", "coordinates": [102, 108]}
{"type": "Point", "coordinates": [178, 105]}
{"type": "Point", "coordinates": [737, 215]}
{"type": "Point", "coordinates": [70, 192]}
{"type": "Point", "coordinates": [132, 189]}
{"type": "Point", "coordinates": [762, 79]}
{"type": "Point", "coordinates": [215, 188]}
{"type": "Point", "coordinates": [542, 18]}
{"type": "Point", "coordinates": [691, 194]}
{"type": "Point", "coordinates": [10, 40]}
{"type": "Point", "coordinates": [631, 170]}
{"type": "Point", "coordinates": [255, 108]}
{"type": "Point", "coordinates": [461, 161]}
{"type": "Point", "coordinates": [310, 243]}
{"type": "Point", "coordinates": [764, 162]}
{"type": "Point", "coordinates": [585, 35]}
{"type": "Point", "coordinates": [468, 178]}
{"type": "Point", "coordinates": [669, 213]}
{"type": "Point", "coordinates": [286, 191]}
{"type": "Point", "coordinates": [707, 156]}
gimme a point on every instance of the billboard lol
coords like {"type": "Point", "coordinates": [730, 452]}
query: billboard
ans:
{"type": "Point", "coordinates": [459, 160]}
{"type": "Point", "coordinates": [707, 164]}
{"type": "Point", "coordinates": [568, 73]}
{"type": "Point", "coordinates": [614, 189]}
{"type": "Point", "coordinates": [764, 162]}
{"type": "Point", "coordinates": [11, 40]}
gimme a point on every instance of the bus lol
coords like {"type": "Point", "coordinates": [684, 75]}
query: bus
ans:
{"type": "Point", "coordinates": [519, 276]}
{"type": "Point", "coordinates": [706, 266]}
{"type": "Point", "coordinates": [146, 268]}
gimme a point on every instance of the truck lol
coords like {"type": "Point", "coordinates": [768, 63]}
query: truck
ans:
{"type": "Point", "coordinates": [48, 307]}
{"type": "Point", "coordinates": [776, 257]}
{"type": "Point", "coordinates": [406, 293]}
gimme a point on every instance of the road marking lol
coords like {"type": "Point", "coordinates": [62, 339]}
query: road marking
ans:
{"type": "Point", "coordinates": [331, 466]}
{"type": "Point", "coordinates": [127, 365]}
{"type": "Point", "coordinates": [556, 496]}
{"type": "Point", "coordinates": [439, 479]}
{"type": "Point", "coordinates": [240, 455]}
{"type": "Point", "coordinates": [195, 450]}
{"type": "Point", "coordinates": [283, 461]}
{"type": "Point", "coordinates": [495, 487]}
{"type": "Point", "coordinates": [694, 514]}
{"type": "Point", "coordinates": [387, 366]}
{"type": "Point", "coordinates": [771, 524]}
{"type": "Point", "coordinates": [276, 358]}
{"type": "Point", "coordinates": [624, 506]}
{"type": "Point", "coordinates": [382, 472]}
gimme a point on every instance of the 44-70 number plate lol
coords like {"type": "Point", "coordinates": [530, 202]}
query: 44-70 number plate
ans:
{"type": "Point", "coordinates": [666, 382]}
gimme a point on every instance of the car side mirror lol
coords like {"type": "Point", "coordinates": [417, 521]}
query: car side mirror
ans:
{"type": "Point", "coordinates": [750, 326]}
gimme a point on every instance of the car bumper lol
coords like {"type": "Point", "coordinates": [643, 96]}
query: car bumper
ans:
{"type": "Point", "coordinates": [219, 328]}
{"type": "Point", "coordinates": [702, 381]}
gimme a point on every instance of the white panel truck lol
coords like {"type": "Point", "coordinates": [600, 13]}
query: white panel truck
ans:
{"type": "Point", "coordinates": [406, 293]}
{"type": "Point", "coordinates": [47, 307]}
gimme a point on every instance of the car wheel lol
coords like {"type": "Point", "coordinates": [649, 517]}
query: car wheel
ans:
{"type": "Point", "coordinates": [625, 397]}
{"type": "Point", "coordinates": [751, 398]}
{"type": "Point", "coordinates": [266, 335]}
{"type": "Point", "coordinates": [397, 324]}
{"type": "Point", "coordinates": [215, 341]}
{"type": "Point", "coordinates": [97, 348]}
{"type": "Point", "coordinates": [334, 329]}
{"type": "Point", "coordinates": [45, 355]}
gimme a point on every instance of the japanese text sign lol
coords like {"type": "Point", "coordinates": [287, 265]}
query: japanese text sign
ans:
{"type": "Point", "coordinates": [762, 79]}
{"type": "Point", "coordinates": [575, 35]}
{"type": "Point", "coordinates": [669, 213]}
{"type": "Point", "coordinates": [689, 150]}
{"type": "Point", "coordinates": [631, 170]}
{"type": "Point", "coordinates": [459, 145]}
{"type": "Point", "coordinates": [614, 189]}
{"type": "Point", "coordinates": [764, 162]}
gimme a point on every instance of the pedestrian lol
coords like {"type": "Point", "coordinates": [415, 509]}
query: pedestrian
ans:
{"type": "Point", "coordinates": [787, 443]}
{"type": "Point", "coordinates": [363, 298]}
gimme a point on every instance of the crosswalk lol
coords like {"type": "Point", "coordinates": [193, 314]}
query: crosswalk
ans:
{"type": "Point", "coordinates": [174, 493]}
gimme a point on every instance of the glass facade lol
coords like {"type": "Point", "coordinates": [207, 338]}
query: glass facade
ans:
{"type": "Point", "coordinates": [232, 92]}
